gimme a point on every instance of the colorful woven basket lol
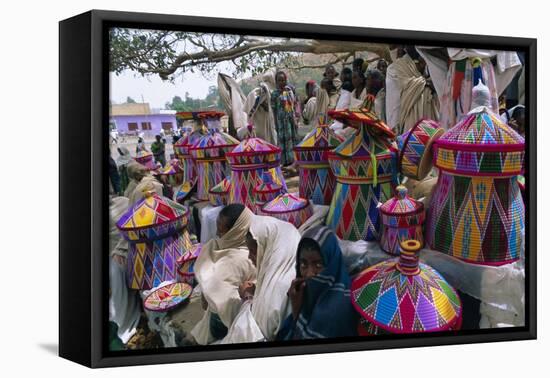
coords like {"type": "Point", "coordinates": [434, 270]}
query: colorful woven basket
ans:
{"type": "Point", "coordinates": [360, 189]}
{"type": "Point", "coordinates": [290, 208]}
{"type": "Point", "coordinates": [181, 149]}
{"type": "Point", "coordinates": [402, 219]}
{"type": "Point", "coordinates": [476, 211]}
{"type": "Point", "coordinates": [184, 191]}
{"type": "Point", "coordinates": [249, 160]}
{"type": "Point", "coordinates": [219, 195]}
{"type": "Point", "coordinates": [266, 190]}
{"type": "Point", "coordinates": [361, 117]}
{"type": "Point", "coordinates": [415, 148]}
{"type": "Point", "coordinates": [145, 158]}
{"type": "Point", "coordinates": [172, 173]}
{"type": "Point", "coordinates": [155, 228]}
{"type": "Point", "coordinates": [317, 182]}
{"type": "Point", "coordinates": [404, 296]}
{"type": "Point", "coordinates": [167, 297]}
{"type": "Point", "coordinates": [209, 154]}
{"type": "Point", "coordinates": [186, 264]}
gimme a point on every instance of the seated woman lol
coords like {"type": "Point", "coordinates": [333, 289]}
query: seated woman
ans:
{"type": "Point", "coordinates": [271, 244]}
{"type": "Point", "coordinates": [221, 267]}
{"type": "Point", "coordinates": [320, 294]}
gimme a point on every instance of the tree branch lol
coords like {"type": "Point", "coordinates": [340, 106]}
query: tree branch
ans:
{"type": "Point", "coordinates": [145, 55]}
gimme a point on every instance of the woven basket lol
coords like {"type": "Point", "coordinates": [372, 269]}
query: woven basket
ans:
{"type": "Point", "coordinates": [172, 174]}
{"type": "Point", "coordinates": [317, 182]}
{"type": "Point", "coordinates": [365, 169]}
{"type": "Point", "coordinates": [167, 297]}
{"type": "Point", "coordinates": [219, 195]}
{"type": "Point", "coordinates": [266, 190]}
{"type": "Point", "coordinates": [476, 210]}
{"type": "Point", "coordinates": [404, 296]}
{"type": "Point", "coordinates": [209, 155]}
{"type": "Point", "coordinates": [290, 208]}
{"type": "Point", "coordinates": [145, 158]}
{"type": "Point", "coordinates": [249, 160]}
{"type": "Point", "coordinates": [156, 230]}
{"type": "Point", "coordinates": [415, 149]}
{"type": "Point", "coordinates": [402, 219]}
{"type": "Point", "coordinates": [186, 265]}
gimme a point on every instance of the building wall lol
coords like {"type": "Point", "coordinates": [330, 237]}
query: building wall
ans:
{"type": "Point", "coordinates": [155, 120]}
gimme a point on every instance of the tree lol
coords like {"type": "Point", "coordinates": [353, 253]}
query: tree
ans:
{"type": "Point", "coordinates": [168, 54]}
{"type": "Point", "coordinates": [130, 100]}
{"type": "Point", "coordinates": [213, 97]}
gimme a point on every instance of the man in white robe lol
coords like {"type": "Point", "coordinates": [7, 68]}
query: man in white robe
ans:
{"type": "Point", "coordinates": [258, 109]}
{"type": "Point", "coordinates": [454, 82]}
{"type": "Point", "coordinates": [409, 94]}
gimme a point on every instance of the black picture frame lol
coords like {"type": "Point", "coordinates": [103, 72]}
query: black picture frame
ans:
{"type": "Point", "coordinates": [83, 205]}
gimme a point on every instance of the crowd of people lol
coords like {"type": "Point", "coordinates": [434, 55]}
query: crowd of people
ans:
{"type": "Point", "coordinates": [400, 93]}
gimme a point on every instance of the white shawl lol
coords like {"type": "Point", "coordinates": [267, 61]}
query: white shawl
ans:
{"type": "Point", "coordinates": [356, 102]}
{"type": "Point", "coordinates": [415, 99]}
{"type": "Point", "coordinates": [260, 318]}
{"type": "Point", "coordinates": [258, 109]}
{"type": "Point", "coordinates": [233, 99]}
{"type": "Point", "coordinates": [221, 267]}
{"type": "Point", "coordinates": [124, 308]}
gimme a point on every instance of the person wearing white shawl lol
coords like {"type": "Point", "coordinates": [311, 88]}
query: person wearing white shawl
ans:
{"type": "Point", "coordinates": [454, 82]}
{"type": "Point", "coordinates": [322, 105]}
{"type": "Point", "coordinates": [124, 307]}
{"type": "Point", "coordinates": [272, 244]}
{"type": "Point", "coordinates": [359, 93]}
{"type": "Point", "coordinates": [233, 100]}
{"type": "Point", "coordinates": [258, 109]}
{"type": "Point", "coordinates": [309, 114]}
{"type": "Point", "coordinates": [409, 95]}
{"type": "Point", "coordinates": [135, 172]}
{"type": "Point", "coordinates": [221, 267]}
{"type": "Point", "coordinates": [146, 184]}
{"type": "Point", "coordinates": [122, 162]}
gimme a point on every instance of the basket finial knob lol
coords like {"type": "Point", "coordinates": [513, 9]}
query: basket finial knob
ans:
{"type": "Point", "coordinates": [408, 263]}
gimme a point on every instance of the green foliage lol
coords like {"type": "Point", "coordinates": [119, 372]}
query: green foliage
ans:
{"type": "Point", "coordinates": [189, 104]}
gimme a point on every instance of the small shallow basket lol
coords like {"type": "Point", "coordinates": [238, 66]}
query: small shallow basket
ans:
{"type": "Point", "coordinates": [415, 149]}
{"type": "Point", "coordinates": [290, 208]}
{"type": "Point", "coordinates": [168, 297]}
{"type": "Point", "coordinates": [404, 296]}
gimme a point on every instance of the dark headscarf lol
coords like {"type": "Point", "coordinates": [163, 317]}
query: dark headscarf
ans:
{"type": "Point", "coordinates": [326, 310]}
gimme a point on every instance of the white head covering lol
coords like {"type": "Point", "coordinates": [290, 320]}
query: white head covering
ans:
{"type": "Point", "coordinates": [221, 267]}
{"type": "Point", "coordinates": [124, 156]}
{"type": "Point", "coordinates": [269, 78]}
{"type": "Point", "coordinates": [275, 262]}
{"type": "Point", "coordinates": [260, 318]}
{"type": "Point", "coordinates": [147, 184]}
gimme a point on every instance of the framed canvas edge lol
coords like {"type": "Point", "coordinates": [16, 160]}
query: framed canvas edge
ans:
{"type": "Point", "coordinates": [98, 215]}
